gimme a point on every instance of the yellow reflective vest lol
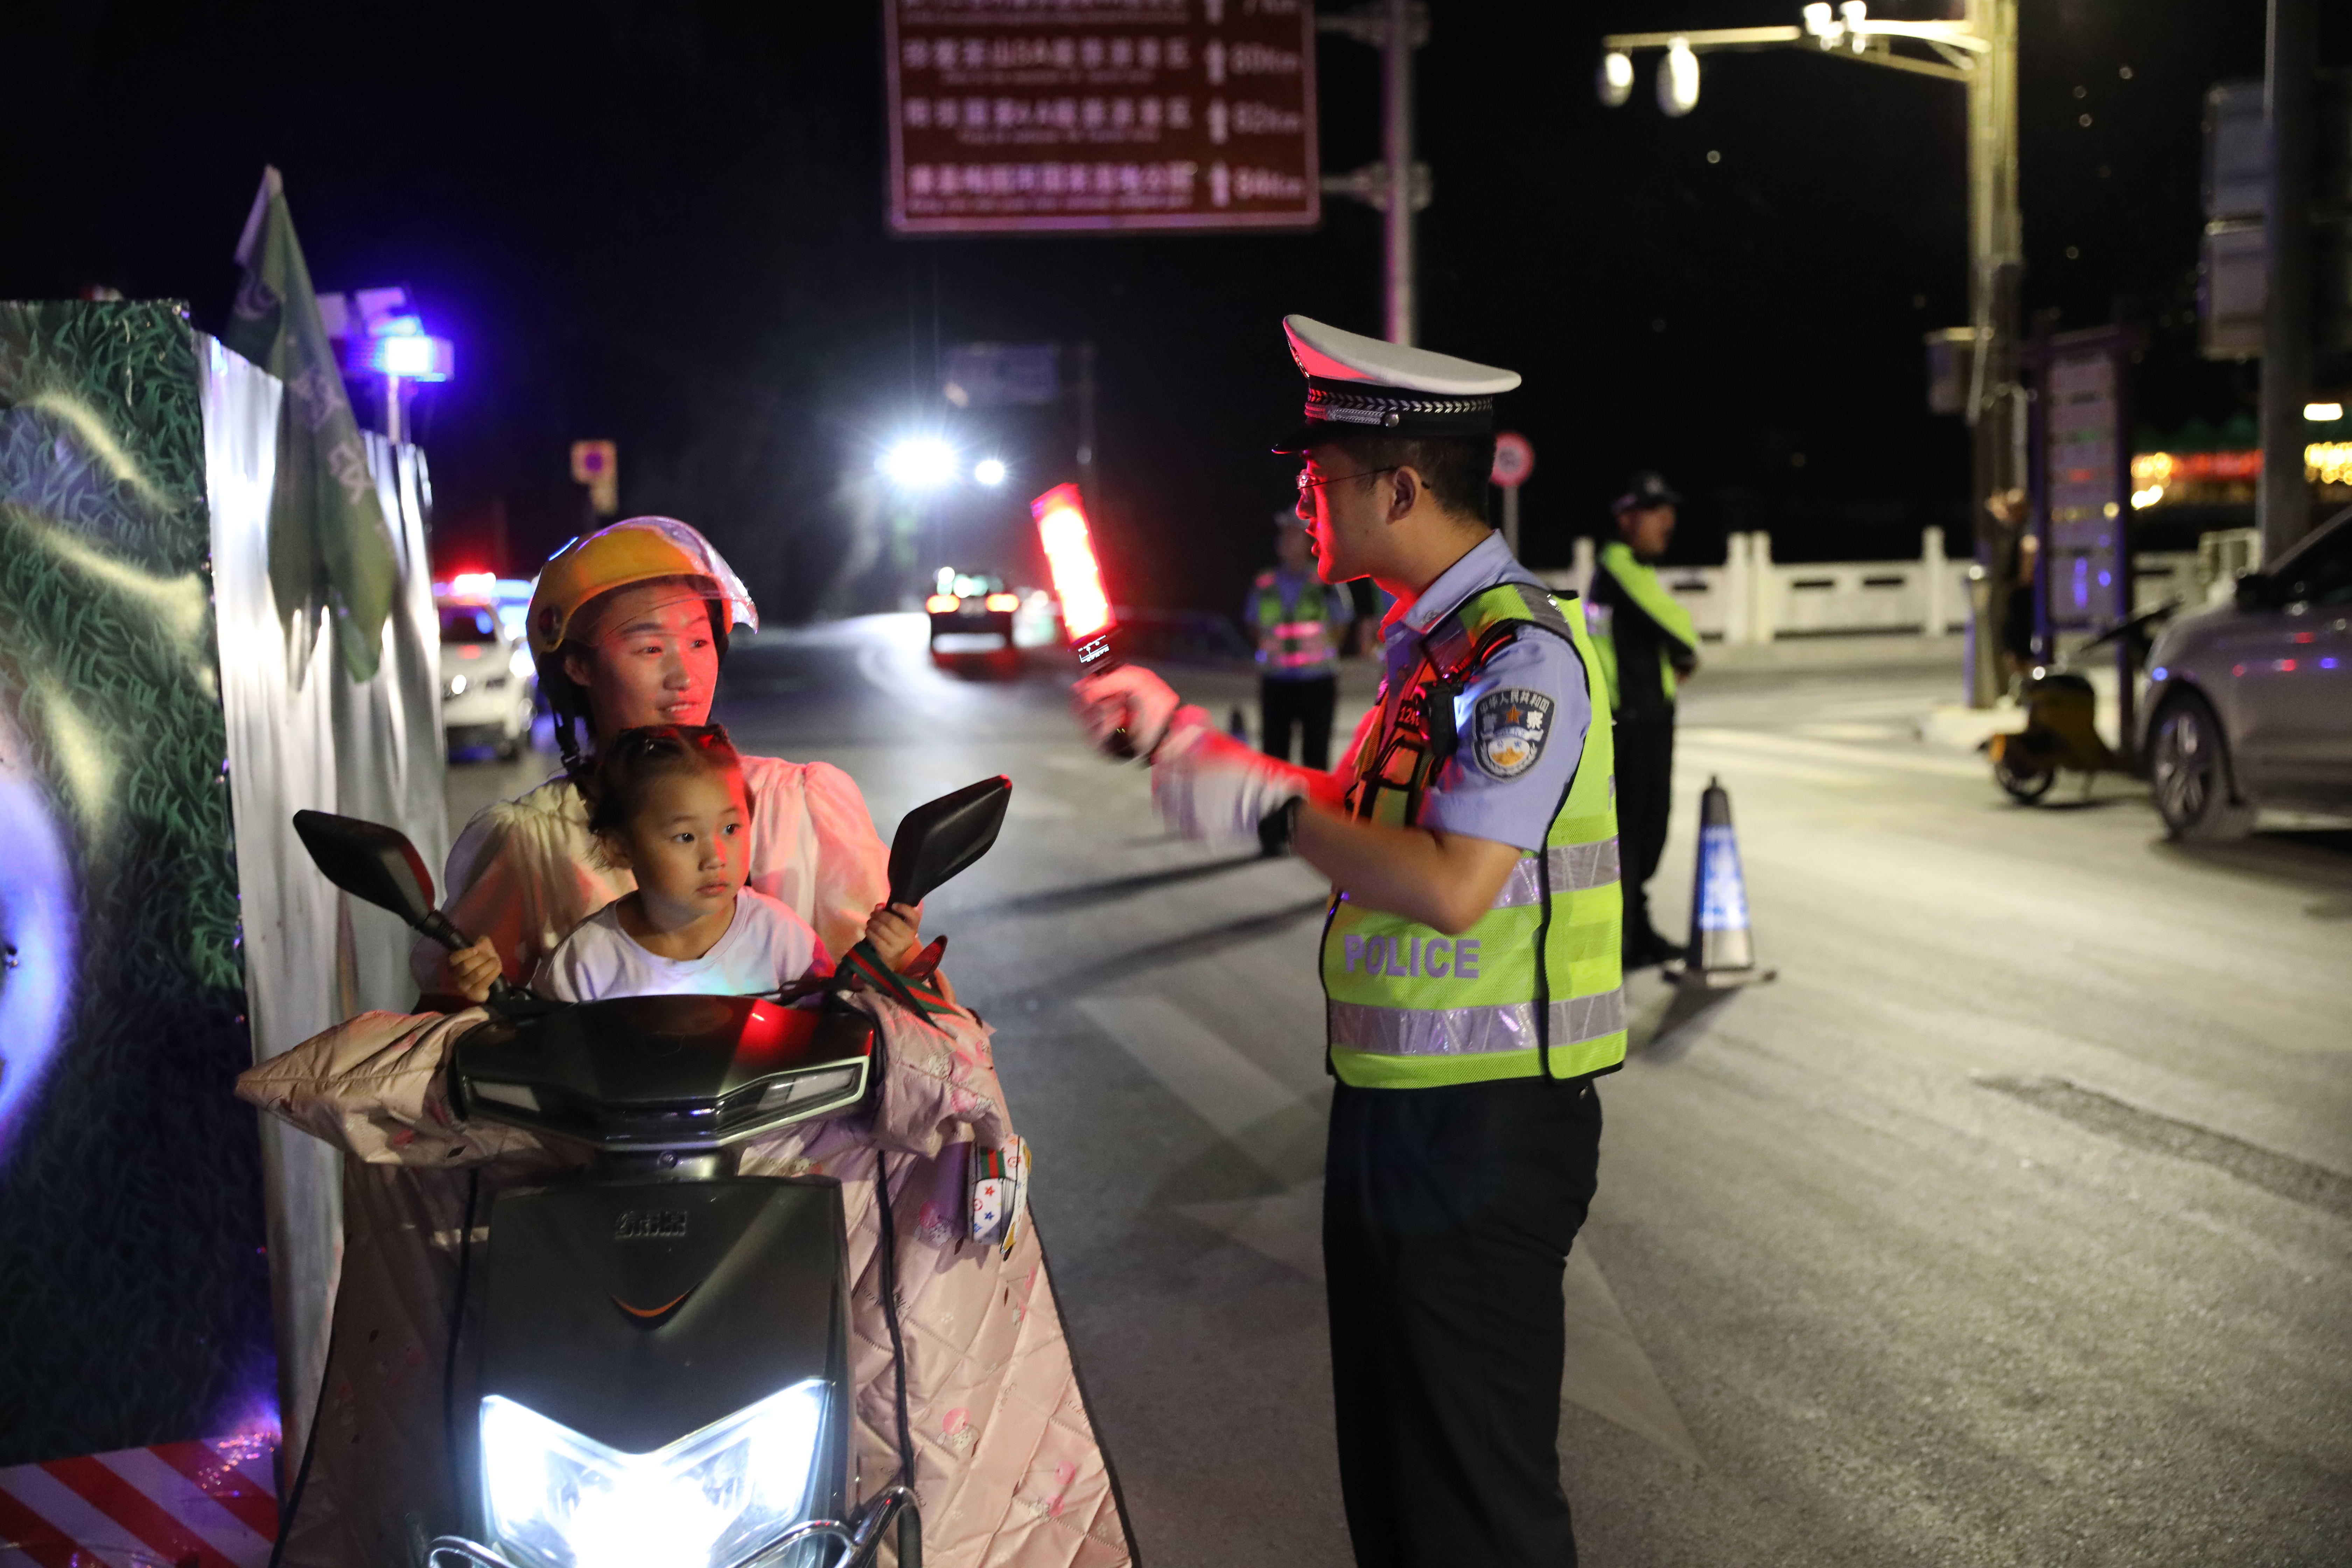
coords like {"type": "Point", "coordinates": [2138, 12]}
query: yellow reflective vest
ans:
{"type": "Point", "coordinates": [1534, 988]}
{"type": "Point", "coordinates": [1634, 585]}
{"type": "Point", "coordinates": [1296, 642]}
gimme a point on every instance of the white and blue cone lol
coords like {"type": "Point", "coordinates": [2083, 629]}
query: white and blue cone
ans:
{"type": "Point", "coordinates": [1723, 949]}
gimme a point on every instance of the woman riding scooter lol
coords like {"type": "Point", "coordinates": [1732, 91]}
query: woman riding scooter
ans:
{"type": "Point", "coordinates": [626, 624]}
{"type": "Point", "coordinates": [630, 627]}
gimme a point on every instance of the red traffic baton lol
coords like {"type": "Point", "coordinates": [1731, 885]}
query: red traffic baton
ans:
{"type": "Point", "coordinates": [1087, 619]}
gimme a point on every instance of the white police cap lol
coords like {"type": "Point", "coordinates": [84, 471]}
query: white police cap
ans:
{"type": "Point", "coordinates": [1354, 382]}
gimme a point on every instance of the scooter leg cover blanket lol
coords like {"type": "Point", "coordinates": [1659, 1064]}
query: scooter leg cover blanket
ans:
{"type": "Point", "coordinates": [1008, 1469]}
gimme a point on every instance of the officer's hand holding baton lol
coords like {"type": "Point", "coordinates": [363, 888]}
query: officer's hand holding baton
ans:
{"type": "Point", "coordinates": [1205, 784]}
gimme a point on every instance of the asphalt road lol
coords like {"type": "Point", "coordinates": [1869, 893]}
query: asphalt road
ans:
{"type": "Point", "coordinates": [2012, 1224]}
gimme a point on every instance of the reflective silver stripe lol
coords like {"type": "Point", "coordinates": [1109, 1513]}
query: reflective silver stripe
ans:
{"type": "Point", "coordinates": [1573, 865]}
{"type": "Point", "coordinates": [1464, 1031]}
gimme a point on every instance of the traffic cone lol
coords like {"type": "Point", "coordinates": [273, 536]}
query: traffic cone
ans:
{"type": "Point", "coordinates": [1722, 948]}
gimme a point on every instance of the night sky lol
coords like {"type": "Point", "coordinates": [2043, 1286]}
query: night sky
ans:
{"type": "Point", "coordinates": [663, 224]}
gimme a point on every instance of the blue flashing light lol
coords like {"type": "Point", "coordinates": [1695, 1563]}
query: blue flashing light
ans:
{"type": "Point", "coordinates": [2157, 674]}
{"type": "Point", "coordinates": [411, 356]}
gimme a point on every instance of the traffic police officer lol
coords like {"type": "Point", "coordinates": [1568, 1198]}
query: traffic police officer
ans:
{"type": "Point", "coordinates": [1646, 644]}
{"type": "Point", "coordinates": [1298, 621]}
{"type": "Point", "coordinates": [1469, 958]}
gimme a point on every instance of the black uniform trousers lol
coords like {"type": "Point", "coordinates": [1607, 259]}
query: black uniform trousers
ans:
{"type": "Point", "coordinates": [1645, 799]}
{"type": "Point", "coordinates": [1305, 705]}
{"type": "Point", "coordinates": [1447, 1218]}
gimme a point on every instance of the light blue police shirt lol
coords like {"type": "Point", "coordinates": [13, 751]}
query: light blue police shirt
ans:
{"type": "Point", "coordinates": [1468, 795]}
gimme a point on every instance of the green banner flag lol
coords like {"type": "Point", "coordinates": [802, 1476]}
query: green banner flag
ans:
{"type": "Point", "coordinates": [328, 541]}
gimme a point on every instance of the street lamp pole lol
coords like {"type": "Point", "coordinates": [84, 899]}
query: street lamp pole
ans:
{"type": "Point", "coordinates": [1979, 52]}
{"type": "Point", "coordinates": [1995, 406]}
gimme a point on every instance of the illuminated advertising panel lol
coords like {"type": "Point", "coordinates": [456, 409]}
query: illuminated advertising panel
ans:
{"type": "Point", "coordinates": [1013, 116]}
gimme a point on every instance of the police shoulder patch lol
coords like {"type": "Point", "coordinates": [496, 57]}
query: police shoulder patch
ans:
{"type": "Point", "coordinates": [1509, 730]}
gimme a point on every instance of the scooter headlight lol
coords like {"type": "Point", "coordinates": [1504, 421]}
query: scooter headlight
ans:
{"type": "Point", "coordinates": [558, 1499]}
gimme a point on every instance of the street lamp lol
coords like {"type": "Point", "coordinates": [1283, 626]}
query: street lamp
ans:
{"type": "Point", "coordinates": [1678, 80]}
{"type": "Point", "coordinates": [1616, 79]}
{"type": "Point", "coordinates": [919, 463]}
{"type": "Point", "coordinates": [989, 471]}
{"type": "Point", "coordinates": [1979, 52]}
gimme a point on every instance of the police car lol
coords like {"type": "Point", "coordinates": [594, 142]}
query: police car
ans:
{"type": "Point", "coordinates": [980, 613]}
{"type": "Point", "coordinates": [489, 687]}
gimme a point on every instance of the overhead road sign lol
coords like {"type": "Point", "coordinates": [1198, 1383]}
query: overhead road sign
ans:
{"type": "Point", "coordinates": [993, 376]}
{"type": "Point", "coordinates": [1064, 115]}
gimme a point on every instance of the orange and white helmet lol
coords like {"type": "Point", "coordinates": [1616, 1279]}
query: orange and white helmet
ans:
{"type": "Point", "coordinates": [634, 551]}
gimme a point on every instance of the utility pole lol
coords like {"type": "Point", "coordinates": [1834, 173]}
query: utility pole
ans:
{"type": "Point", "coordinates": [2289, 86]}
{"type": "Point", "coordinates": [1995, 405]}
{"type": "Point", "coordinates": [1978, 52]}
{"type": "Point", "coordinates": [1396, 186]}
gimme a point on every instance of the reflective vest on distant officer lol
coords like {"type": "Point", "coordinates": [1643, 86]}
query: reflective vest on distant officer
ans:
{"type": "Point", "coordinates": [1533, 989]}
{"type": "Point", "coordinates": [1628, 608]}
{"type": "Point", "coordinates": [1298, 640]}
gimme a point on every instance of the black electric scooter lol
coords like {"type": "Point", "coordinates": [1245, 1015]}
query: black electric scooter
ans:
{"type": "Point", "coordinates": [665, 1343]}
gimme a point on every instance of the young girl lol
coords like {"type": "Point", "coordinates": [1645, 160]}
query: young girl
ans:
{"type": "Point", "coordinates": [669, 805]}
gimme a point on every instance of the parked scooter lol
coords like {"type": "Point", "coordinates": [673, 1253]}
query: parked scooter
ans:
{"type": "Point", "coordinates": [2060, 713]}
{"type": "Point", "coordinates": [665, 1347]}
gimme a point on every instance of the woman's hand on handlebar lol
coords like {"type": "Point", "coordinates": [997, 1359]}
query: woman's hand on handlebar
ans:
{"type": "Point", "coordinates": [472, 971]}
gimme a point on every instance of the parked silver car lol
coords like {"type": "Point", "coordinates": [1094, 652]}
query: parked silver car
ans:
{"type": "Point", "coordinates": [2249, 704]}
{"type": "Point", "coordinates": [488, 685]}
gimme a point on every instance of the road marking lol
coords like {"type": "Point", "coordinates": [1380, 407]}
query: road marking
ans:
{"type": "Point", "coordinates": [1799, 749]}
{"type": "Point", "coordinates": [1222, 1087]}
{"type": "Point", "coordinates": [1287, 1227]}
{"type": "Point", "coordinates": [1607, 1371]}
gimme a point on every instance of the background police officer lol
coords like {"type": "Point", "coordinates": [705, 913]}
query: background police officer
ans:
{"type": "Point", "coordinates": [1470, 959]}
{"type": "Point", "coordinates": [1646, 644]}
{"type": "Point", "coordinates": [1299, 622]}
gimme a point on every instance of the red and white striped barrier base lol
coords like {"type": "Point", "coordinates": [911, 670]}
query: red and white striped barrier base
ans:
{"type": "Point", "coordinates": [208, 1504]}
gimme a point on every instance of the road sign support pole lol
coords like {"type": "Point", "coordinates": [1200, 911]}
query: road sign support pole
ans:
{"type": "Point", "coordinates": [2289, 86]}
{"type": "Point", "coordinates": [1396, 150]}
{"type": "Point", "coordinates": [1085, 392]}
{"type": "Point", "coordinates": [1396, 187]}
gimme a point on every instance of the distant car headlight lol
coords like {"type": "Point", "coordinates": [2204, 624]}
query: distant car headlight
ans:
{"type": "Point", "coordinates": [942, 604]}
{"type": "Point", "coordinates": [520, 666]}
{"type": "Point", "coordinates": [1002, 603]}
{"type": "Point", "coordinates": [458, 685]}
{"type": "Point", "coordinates": [558, 1499]}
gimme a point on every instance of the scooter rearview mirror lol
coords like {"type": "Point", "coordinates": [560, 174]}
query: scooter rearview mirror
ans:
{"type": "Point", "coordinates": [940, 838]}
{"type": "Point", "coordinates": [377, 864]}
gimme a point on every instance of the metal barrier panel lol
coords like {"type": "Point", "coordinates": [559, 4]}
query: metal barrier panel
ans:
{"type": "Point", "coordinates": [136, 1308]}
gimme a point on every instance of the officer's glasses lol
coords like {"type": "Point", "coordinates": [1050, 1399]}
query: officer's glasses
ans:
{"type": "Point", "coordinates": [1307, 481]}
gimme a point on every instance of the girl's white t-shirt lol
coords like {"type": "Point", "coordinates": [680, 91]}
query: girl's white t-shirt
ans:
{"type": "Point", "coordinates": [766, 945]}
